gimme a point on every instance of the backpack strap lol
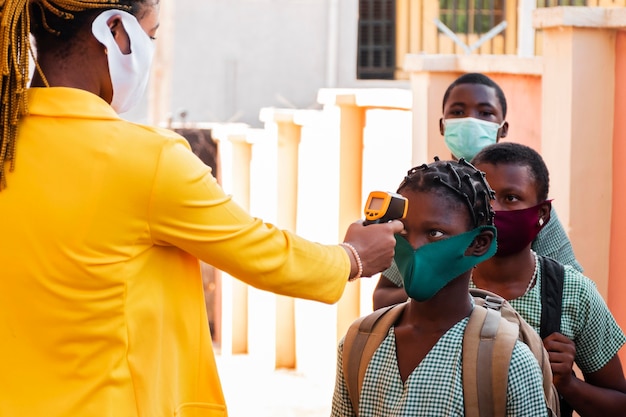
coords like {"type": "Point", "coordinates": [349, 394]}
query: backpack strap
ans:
{"type": "Point", "coordinates": [362, 339]}
{"type": "Point", "coordinates": [552, 277]}
{"type": "Point", "coordinates": [552, 280]}
{"type": "Point", "coordinates": [488, 344]}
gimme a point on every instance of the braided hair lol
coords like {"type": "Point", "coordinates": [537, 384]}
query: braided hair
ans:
{"type": "Point", "coordinates": [456, 180]}
{"type": "Point", "coordinates": [51, 21]}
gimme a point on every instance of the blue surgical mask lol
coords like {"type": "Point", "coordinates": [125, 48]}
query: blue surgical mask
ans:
{"type": "Point", "coordinates": [465, 137]}
{"type": "Point", "coordinates": [433, 266]}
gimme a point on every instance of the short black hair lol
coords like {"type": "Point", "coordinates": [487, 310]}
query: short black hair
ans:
{"type": "Point", "coordinates": [459, 181]}
{"type": "Point", "coordinates": [517, 154]}
{"type": "Point", "coordinates": [477, 78]}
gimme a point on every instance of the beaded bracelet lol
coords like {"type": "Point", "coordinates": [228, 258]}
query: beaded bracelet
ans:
{"type": "Point", "coordinates": [359, 264]}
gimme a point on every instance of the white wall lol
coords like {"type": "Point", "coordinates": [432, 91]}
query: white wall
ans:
{"type": "Point", "coordinates": [232, 57]}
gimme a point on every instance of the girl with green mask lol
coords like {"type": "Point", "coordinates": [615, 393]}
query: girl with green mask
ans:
{"type": "Point", "coordinates": [441, 242]}
{"type": "Point", "coordinates": [417, 368]}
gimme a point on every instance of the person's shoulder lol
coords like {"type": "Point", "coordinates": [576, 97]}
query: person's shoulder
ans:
{"type": "Point", "coordinates": [161, 131]}
{"type": "Point", "coordinates": [146, 136]}
{"type": "Point", "coordinates": [521, 349]}
{"type": "Point", "coordinates": [523, 360]}
{"type": "Point", "coordinates": [580, 292]}
{"type": "Point", "coordinates": [165, 134]}
{"type": "Point", "coordinates": [572, 276]}
{"type": "Point", "coordinates": [375, 324]}
{"type": "Point", "coordinates": [525, 389]}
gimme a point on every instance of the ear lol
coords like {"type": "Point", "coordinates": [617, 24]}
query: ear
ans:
{"type": "Point", "coordinates": [504, 130]}
{"type": "Point", "coordinates": [481, 244]}
{"type": "Point", "coordinates": [544, 212]}
{"type": "Point", "coordinates": [441, 126]}
{"type": "Point", "coordinates": [119, 34]}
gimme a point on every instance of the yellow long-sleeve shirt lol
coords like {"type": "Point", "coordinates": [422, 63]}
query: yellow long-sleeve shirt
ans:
{"type": "Point", "coordinates": [102, 308]}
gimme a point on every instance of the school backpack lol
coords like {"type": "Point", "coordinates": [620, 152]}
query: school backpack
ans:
{"type": "Point", "coordinates": [492, 330]}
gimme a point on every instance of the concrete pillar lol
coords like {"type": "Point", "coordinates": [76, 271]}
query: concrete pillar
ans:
{"type": "Point", "coordinates": [235, 152]}
{"type": "Point", "coordinates": [241, 155]}
{"type": "Point", "coordinates": [617, 264]}
{"type": "Point", "coordinates": [159, 90]}
{"type": "Point", "coordinates": [353, 105]}
{"type": "Point", "coordinates": [577, 129]}
{"type": "Point", "coordinates": [428, 87]}
{"type": "Point", "coordinates": [288, 135]}
{"type": "Point", "coordinates": [525, 30]}
{"type": "Point", "coordinates": [352, 121]}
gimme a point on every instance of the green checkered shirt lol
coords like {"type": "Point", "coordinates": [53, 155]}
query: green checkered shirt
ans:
{"type": "Point", "coordinates": [435, 387]}
{"type": "Point", "coordinates": [552, 241]}
{"type": "Point", "coordinates": [585, 319]}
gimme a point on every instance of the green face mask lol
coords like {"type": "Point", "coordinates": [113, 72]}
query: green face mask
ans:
{"type": "Point", "coordinates": [432, 266]}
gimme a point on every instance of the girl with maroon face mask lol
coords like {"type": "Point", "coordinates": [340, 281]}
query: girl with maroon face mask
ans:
{"type": "Point", "coordinates": [588, 334]}
{"type": "Point", "coordinates": [520, 179]}
{"type": "Point", "coordinates": [520, 212]}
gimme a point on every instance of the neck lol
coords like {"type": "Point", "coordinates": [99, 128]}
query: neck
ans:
{"type": "Point", "coordinates": [508, 276]}
{"type": "Point", "coordinates": [83, 67]}
{"type": "Point", "coordinates": [438, 314]}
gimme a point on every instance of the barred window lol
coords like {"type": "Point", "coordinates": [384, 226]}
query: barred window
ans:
{"type": "Point", "coordinates": [554, 3]}
{"type": "Point", "coordinates": [377, 37]}
{"type": "Point", "coordinates": [471, 16]}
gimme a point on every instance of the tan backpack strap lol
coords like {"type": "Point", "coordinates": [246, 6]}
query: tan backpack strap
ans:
{"type": "Point", "coordinates": [487, 346]}
{"type": "Point", "coordinates": [504, 343]}
{"type": "Point", "coordinates": [471, 342]}
{"type": "Point", "coordinates": [362, 339]}
{"type": "Point", "coordinates": [527, 335]}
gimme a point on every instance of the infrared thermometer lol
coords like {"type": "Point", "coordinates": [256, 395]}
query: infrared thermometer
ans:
{"type": "Point", "coordinates": [384, 206]}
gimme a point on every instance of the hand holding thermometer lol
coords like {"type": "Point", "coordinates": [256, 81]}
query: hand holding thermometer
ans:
{"type": "Point", "coordinates": [384, 206]}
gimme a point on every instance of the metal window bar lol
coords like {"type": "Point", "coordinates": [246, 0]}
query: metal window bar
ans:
{"type": "Point", "coordinates": [481, 18]}
{"type": "Point", "coordinates": [471, 16]}
{"type": "Point", "coordinates": [376, 43]}
{"type": "Point", "coordinates": [554, 3]}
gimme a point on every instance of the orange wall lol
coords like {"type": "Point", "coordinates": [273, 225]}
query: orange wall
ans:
{"type": "Point", "coordinates": [617, 263]}
{"type": "Point", "coordinates": [523, 95]}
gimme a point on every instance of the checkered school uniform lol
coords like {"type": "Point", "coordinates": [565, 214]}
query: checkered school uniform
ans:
{"type": "Point", "coordinates": [435, 387]}
{"type": "Point", "coordinates": [585, 318]}
{"type": "Point", "coordinates": [552, 241]}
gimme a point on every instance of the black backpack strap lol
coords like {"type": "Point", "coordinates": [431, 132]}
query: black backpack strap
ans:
{"type": "Point", "coordinates": [552, 277]}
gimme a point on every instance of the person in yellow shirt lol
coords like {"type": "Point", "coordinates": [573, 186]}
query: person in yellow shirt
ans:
{"type": "Point", "coordinates": [104, 222]}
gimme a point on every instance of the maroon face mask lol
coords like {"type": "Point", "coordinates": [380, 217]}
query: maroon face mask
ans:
{"type": "Point", "coordinates": [518, 228]}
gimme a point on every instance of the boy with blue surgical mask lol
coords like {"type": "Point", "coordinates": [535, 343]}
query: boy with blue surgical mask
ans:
{"type": "Point", "coordinates": [474, 116]}
{"type": "Point", "coordinates": [474, 112]}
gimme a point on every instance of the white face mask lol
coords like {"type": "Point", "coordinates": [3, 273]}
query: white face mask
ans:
{"type": "Point", "coordinates": [466, 136]}
{"type": "Point", "coordinates": [130, 72]}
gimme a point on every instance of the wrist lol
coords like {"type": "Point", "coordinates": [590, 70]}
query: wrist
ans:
{"type": "Point", "coordinates": [359, 264]}
{"type": "Point", "coordinates": [566, 384]}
